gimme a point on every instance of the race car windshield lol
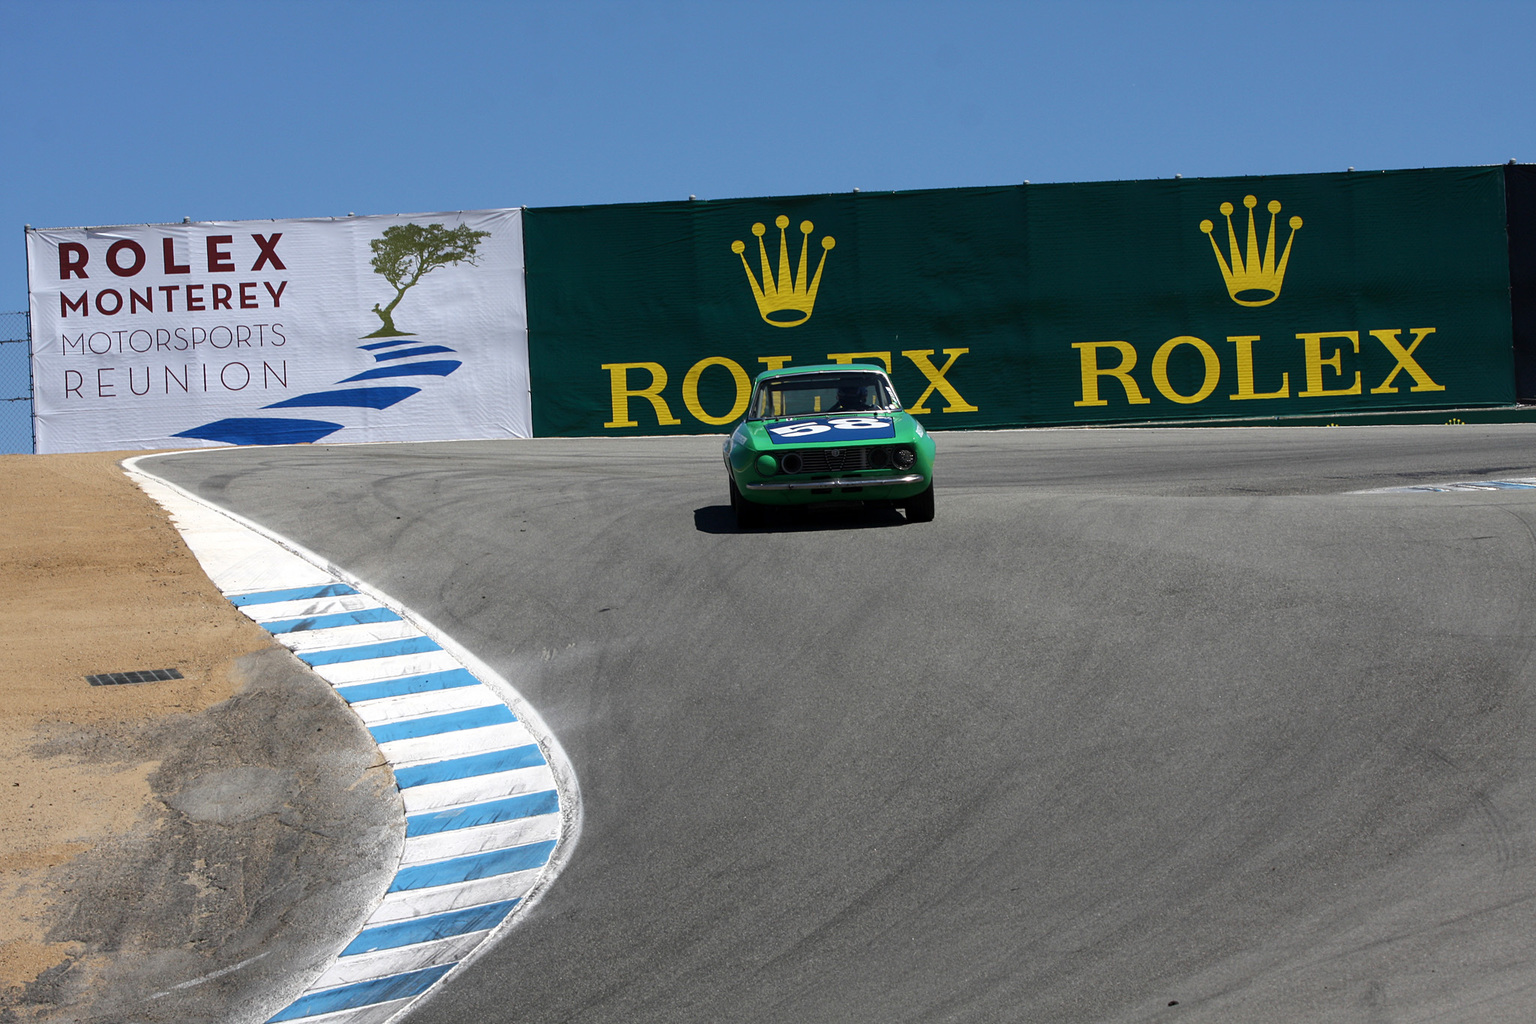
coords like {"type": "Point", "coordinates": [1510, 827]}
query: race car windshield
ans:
{"type": "Point", "coordinates": [814, 394]}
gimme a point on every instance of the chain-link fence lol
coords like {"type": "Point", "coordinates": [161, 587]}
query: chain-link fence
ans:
{"type": "Point", "coordinates": [15, 383]}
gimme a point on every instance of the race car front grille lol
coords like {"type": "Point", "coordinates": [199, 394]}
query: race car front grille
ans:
{"type": "Point", "coordinates": [837, 460]}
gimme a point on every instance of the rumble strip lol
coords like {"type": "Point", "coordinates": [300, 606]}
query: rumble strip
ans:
{"type": "Point", "coordinates": [489, 819]}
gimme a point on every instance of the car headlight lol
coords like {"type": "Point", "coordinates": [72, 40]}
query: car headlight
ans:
{"type": "Point", "coordinates": [766, 466]}
{"type": "Point", "coordinates": [903, 458]}
{"type": "Point", "coordinates": [793, 463]}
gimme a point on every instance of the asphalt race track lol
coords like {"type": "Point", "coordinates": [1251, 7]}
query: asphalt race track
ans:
{"type": "Point", "coordinates": [1158, 725]}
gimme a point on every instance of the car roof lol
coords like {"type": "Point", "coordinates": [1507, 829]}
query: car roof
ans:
{"type": "Point", "coordinates": [790, 371]}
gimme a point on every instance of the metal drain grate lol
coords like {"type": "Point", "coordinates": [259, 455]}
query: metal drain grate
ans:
{"type": "Point", "coordinates": [148, 675]}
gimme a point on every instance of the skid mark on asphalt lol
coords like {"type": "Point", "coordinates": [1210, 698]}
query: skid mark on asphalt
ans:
{"type": "Point", "coordinates": [486, 826]}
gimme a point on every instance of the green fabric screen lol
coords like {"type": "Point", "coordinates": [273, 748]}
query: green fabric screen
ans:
{"type": "Point", "coordinates": [1032, 304]}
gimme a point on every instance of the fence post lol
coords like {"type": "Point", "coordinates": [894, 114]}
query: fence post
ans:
{"type": "Point", "coordinates": [31, 384]}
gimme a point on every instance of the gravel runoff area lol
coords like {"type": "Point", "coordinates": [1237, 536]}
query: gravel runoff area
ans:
{"type": "Point", "coordinates": [179, 849]}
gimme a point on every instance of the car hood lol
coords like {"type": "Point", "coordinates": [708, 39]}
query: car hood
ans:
{"type": "Point", "coordinates": [830, 429]}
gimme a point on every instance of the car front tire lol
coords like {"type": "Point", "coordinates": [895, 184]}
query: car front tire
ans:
{"type": "Point", "coordinates": [920, 508]}
{"type": "Point", "coordinates": [749, 515]}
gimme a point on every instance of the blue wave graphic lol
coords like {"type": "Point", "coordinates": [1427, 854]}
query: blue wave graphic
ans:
{"type": "Point", "coordinates": [424, 350]}
{"type": "Point", "coordinates": [357, 398]}
{"type": "Point", "coordinates": [432, 367]}
{"type": "Point", "coordinates": [259, 431]}
{"type": "Point", "coordinates": [281, 430]}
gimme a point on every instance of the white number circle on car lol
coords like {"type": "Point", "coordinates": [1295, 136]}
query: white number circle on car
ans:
{"type": "Point", "coordinates": [800, 429]}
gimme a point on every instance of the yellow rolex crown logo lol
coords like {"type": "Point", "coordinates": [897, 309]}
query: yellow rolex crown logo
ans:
{"type": "Point", "coordinates": [1254, 280]}
{"type": "Point", "coordinates": [786, 300]}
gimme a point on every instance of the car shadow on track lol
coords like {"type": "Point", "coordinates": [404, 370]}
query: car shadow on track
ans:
{"type": "Point", "coordinates": [720, 519]}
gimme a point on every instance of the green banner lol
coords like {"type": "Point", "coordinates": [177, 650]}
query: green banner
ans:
{"type": "Point", "coordinates": [1034, 304]}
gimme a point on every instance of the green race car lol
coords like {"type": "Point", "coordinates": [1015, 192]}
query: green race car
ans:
{"type": "Point", "coordinates": [828, 434]}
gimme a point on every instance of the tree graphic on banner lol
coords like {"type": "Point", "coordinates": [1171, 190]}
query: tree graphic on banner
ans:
{"type": "Point", "coordinates": [408, 252]}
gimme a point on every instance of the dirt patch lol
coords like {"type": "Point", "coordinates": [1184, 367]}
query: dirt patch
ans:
{"type": "Point", "coordinates": [155, 834]}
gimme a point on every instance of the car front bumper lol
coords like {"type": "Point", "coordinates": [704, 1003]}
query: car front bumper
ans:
{"type": "Point", "coordinates": [856, 483]}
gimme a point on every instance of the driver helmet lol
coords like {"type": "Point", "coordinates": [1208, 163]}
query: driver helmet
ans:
{"type": "Point", "coordinates": [853, 396]}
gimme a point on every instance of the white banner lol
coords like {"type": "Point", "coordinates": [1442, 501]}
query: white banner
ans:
{"type": "Point", "coordinates": [406, 328]}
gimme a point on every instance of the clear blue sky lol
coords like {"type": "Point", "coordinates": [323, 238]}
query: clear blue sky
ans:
{"type": "Point", "coordinates": [122, 112]}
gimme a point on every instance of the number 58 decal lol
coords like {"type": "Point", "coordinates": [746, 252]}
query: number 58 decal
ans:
{"type": "Point", "coordinates": [838, 423]}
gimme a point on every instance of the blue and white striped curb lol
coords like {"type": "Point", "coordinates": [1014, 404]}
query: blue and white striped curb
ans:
{"type": "Point", "coordinates": [489, 818]}
{"type": "Point", "coordinates": [1522, 484]}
